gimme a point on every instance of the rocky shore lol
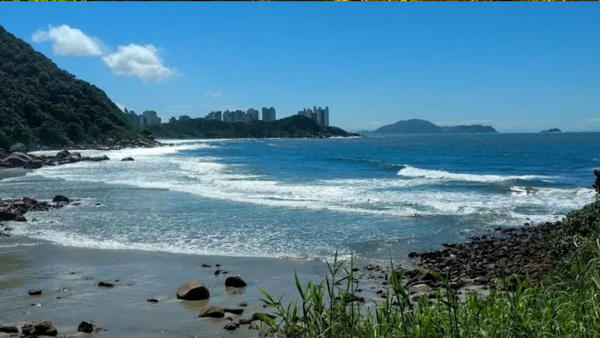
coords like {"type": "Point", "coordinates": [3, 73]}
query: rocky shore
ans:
{"type": "Point", "coordinates": [476, 264]}
{"type": "Point", "coordinates": [17, 156]}
{"type": "Point", "coordinates": [15, 209]}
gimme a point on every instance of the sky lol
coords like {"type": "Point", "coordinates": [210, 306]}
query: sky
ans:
{"type": "Point", "coordinates": [516, 66]}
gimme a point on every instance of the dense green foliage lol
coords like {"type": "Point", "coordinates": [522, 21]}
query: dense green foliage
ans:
{"type": "Point", "coordinates": [42, 104]}
{"type": "Point", "coordinates": [294, 127]}
{"type": "Point", "coordinates": [416, 126]}
{"type": "Point", "coordinates": [566, 304]}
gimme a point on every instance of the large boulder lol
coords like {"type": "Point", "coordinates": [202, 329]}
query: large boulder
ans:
{"type": "Point", "coordinates": [193, 290]}
{"type": "Point", "coordinates": [18, 147]}
{"type": "Point", "coordinates": [211, 311]}
{"type": "Point", "coordinates": [235, 281]}
{"type": "Point", "coordinates": [16, 159]}
{"type": "Point", "coordinates": [127, 159]}
{"type": "Point", "coordinates": [88, 327]}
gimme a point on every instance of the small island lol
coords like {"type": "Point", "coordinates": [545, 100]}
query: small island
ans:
{"type": "Point", "coordinates": [553, 130]}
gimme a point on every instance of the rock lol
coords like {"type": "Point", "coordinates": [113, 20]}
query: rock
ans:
{"type": "Point", "coordinates": [230, 327]}
{"type": "Point", "coordinates": [96, 158]}
{"type": "Point", "coordinates": [105, 285]}
{"type": "Point", "coordinates": [423, 276]}
{"type": "Point", "coordinates": [3, 153]}
{"type": "Point", "coordinates": [60, 199]}
{"type": "Point", "coordinates": [419, 288]}
{"type": "Point", "coordinates": [9, 329]}
{"type": "Point", "coordinates": [20, 218]}
{"type": "Point", "coordinates": [35, 292]}
{"type": "Point", "coordinates": [44, 328]}
{"type": "Point", "coordinates": [263, 328]}
{"type": "Point", "coordinates": [63, 154]}
{"type": "Point", "coordinates": [6, 215]}
{"type": "Point", "coordinates": [16, 159]}
{"type": "Point", "coordinates": [125, 159]}
{"type": "Point", "coordinates": [211, 311]}
{"type": "Point", "coordinates": [205, 266]}
{"type": "Point", "coordinates": [261, 315]}
{"type": "Point", "coordinates": [193, 290]}
{"type": "Point", "coordinates": [18, 147]}
{"type": "Point", "coordinates": [243, 321]}
{"type": "Point", "coordinates": [234, 311]}
{"type": "Point", "coordinates": [235, 281]}
{"type": "Point", "coordinates": [243, 304]}
{"type": "Point", "coordinates": [152, 300]}
{"type": "Point", "coordinates": [34, 164]}
{"type": "Point", "coordinates": [86, 327]}
{"type": "Point", "coordinates": [218, 272]}
{"type": "Point", "coordinates": [413, 255]}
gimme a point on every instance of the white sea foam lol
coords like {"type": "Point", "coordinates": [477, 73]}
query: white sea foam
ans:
{"type": "Point", "coordinates": [413, 172]}
{"type": "Point", "coordinates": [208, 177]}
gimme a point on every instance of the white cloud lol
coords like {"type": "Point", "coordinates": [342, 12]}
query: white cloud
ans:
{"type": "Point", "coordinates": [595, 119]}
{"type": "Point", "coordinates": [69, 41]}
{"type": "Point", "coordinates": [375, 124]}
{"type": "Point", "coordinates": [121, 106]}
{"type": "Point", "coordinates": [136, 60]}
{"type": "Point", "coordinates": [214, 93]}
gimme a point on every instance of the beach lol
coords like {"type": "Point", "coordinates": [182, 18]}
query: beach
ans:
{"type": "Point", "coordinates": [263, 209]}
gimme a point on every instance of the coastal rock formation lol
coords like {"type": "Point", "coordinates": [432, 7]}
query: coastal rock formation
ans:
{"type": "Point", "coordinates": [211, 311]}
{"type": "Point", "coordinates": [34, 292]}
{"type": "Point", "coordinates": [125, 159]}
{"type": "Point", "coordinates": [105, 285]}
{"type": "Point", "coordinates": [235, 281]}
{"type": "Point", "coordinates": [15, 209]}
{"type": "Point", "coordinates": [552, 130]}
{"type": "Point", "coordinates": [193, 290]}
{"type": "Point", "coordinates": [231, 327]}
{"type": "Point", "coordinates": [16, 160]}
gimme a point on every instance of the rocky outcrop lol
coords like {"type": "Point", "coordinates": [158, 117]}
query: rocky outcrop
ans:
{"type": "Point", "coordinates": [126, 159]}
{"type": "Point", "coordinates": [15, 209]}
{"type": "Point", "coordinates": [211, 311]}
{"type": "Point", "coordinates": [234, 311]}
{"type": "Point", "coordinates": [105, 285]}
{"type": "Point", "coordinates": [34, 292]}
{"type": "Point", "coordinates": [193, 290]}
{"type": "Point", "coordinates": [235, 281]}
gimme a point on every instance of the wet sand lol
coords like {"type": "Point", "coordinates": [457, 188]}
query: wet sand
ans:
{"type": "Point", "coordinates": [69, 278]}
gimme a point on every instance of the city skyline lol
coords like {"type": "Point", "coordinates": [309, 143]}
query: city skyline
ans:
{"type": "Point", "coordinates": [517, 69]}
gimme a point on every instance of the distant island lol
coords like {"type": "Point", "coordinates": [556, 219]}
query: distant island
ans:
{"type": "Point", "coordinates": [296, 126]}
{"type": "Point", "coordinates": [416, 126]}
{"type": "Point", "coordinates": [553, 130]}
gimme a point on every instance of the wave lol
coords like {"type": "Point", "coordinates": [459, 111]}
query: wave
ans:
{"type": "Point", "coordinates": [414, 172]}
{"type": "Point", "coordinates": [384, 165]}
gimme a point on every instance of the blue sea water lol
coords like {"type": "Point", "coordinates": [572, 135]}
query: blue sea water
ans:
{"type": "Point", "coordinates": [374, 196]}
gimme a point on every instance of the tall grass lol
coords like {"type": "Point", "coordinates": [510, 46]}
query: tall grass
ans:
{"type": "Point", "coordinates": [567, 304]}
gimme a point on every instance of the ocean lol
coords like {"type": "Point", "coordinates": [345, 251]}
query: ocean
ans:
{"type": "Point", "coordinates": [377, 197]}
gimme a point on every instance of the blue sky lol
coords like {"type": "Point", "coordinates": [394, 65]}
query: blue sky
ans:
{"type": "Point", "coordinates": [516, 66]}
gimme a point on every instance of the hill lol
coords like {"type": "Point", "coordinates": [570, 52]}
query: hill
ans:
{"type": "Point", "coordinates": [416, 126]}
{"type": "Point", "coordinates": [553, 130]}
{"type": "Point", "coordinates": [291, 127]}
{"type": "Point", "coordinates": [42, 104]}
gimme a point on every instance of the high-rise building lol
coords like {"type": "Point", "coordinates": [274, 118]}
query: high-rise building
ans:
{"type": "Point", "coordinates": [151, 118]}
{"type": "Point", "coordinates": [317, 114]}
{"type": "Point", "coordinates": [269, 114]}
{"type": "Point", "coordinates": [184, 118]}
{"type": "Point", "coordinates": [215, 115]}
{"type": "Point", "coordinates": [252, 114]}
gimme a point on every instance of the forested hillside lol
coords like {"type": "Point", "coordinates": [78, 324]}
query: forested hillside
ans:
{"type": "Point", "coordinates": [41, 104]}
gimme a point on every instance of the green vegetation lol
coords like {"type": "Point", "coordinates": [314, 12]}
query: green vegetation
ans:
{"type": "Point", "coordinates": [565, 304]}
{"type": "Point", "coordinates": [293, 127]}
{"type": "Point", "coordinates": [42, 104]}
